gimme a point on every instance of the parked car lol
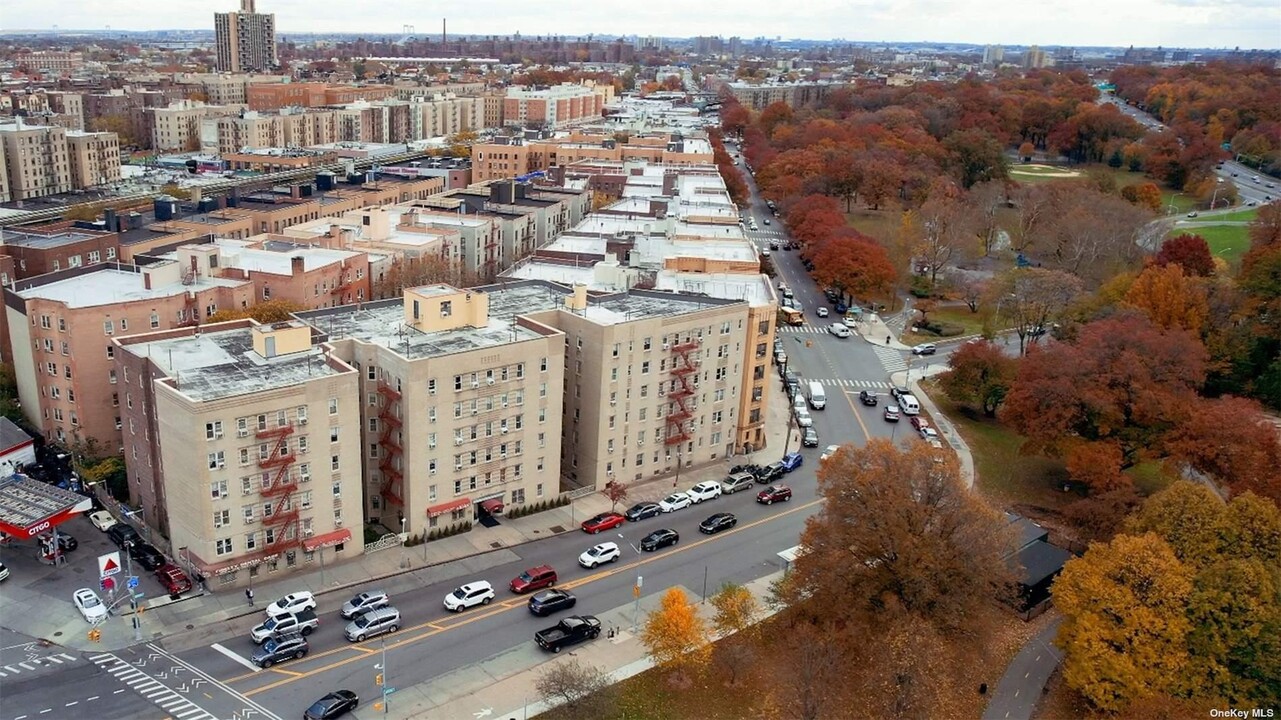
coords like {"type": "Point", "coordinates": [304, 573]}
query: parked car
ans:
{"type": "Point", "coordinates": [821, 312]}
{"type": "Point", "coordinates": [737, 481]}
{"type": "Point", "coordinates": [364, 602]}
{"type": "Point", "coordinates": [675, 501]}
{"type": "Point", "coordinates": [791, 381]}
{"type": "Point", "coordinates": [302, 622]}
{"type": "Point", "coordinates": [292, 603]}
{"type": "Point", "coordinates": [849, 321]}
{"type": "Point", "coordinates": [642, 511]}
{"type": "Point", "coordinates": [335, 704]}
{"type": "Point", "coordinates": [931, 436]}
{"type": "Point", "coordinates": [174, 580]}
{"type": "Point", "coordinates": [924, 349]}
{"type": "Point", "coordinates": [770, 473]}
{"type": "Point", "coordinates": [375, 622]}
{"type": "Point", "coordinates": [828, 452]}
{"type": "Point", "coordinates": [791, 461]}
{"type": "Point", "coordinates": [146, 555]}
{"type": "Point", "coordinates": [597, 554]}
{"type": "Point", "coordinates": [839, 330]}
{"type": "Point", "coordinates": [803, 417]}
{"type": "Point", "coordinates": [718, 522]}
{"type": "Point", "coordinates": [601, 522]}
{"type": "Point", "coordinates": [708, 490]}
{"type": "Point", "coordinates": [867, 397]}
{"type": "Point", "coordinates": [840, 308]}
{"type": "Point", "coordinates": [898, 390]}
{"type": "Point", "coordinates": [773, 494]}
{"type": "Point", "coordinates": [469, 595]}
{"type": "Point", "coordinates": [659, 539]}
{"type": "Point", "coordinates": [535, 578]}
{"type": "Point", "coordinates": [66, 543]}
{"type": "Point", "coordinates": [102, 520]}
{"type": "Point", "coordinates": [809, 437]}
{"type": "Point", "coordinates": [891, 413]}
{"type": "Point", "coordinates": [919, 422]}
{"type": "Point", "coordinates": [291, 647]}
{"type": "Point", "coordinates": [120, 534]}
{"type": "Point", "coordinates": [570, 631]}
{"type": "Point", "coordinates": [4, 572]}
{"type": "Point", "coordinates": [89, 605]}
{"type": "Point", "coordinates": [550, 601]}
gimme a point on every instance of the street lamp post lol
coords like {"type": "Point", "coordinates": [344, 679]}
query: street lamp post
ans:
{"type": "Point", "coordinates": [133, 595]}
{"type": "Point", "coordinates": [404, 556]}
{"type": "Point", "coordinates": [1172, 201]}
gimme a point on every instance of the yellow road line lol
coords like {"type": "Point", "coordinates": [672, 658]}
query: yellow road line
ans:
{"type": "Point", "coordinates": [471, 618]}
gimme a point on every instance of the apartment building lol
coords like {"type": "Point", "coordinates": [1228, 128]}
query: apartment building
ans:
{"type": "Point", "coordinates": [460, 405]}
{"type": "Point", "coordinates": [310, 276]}
{"type": "Point", "coordinates": [59, 246]}
{"type": "Point", "coordinates": [177, 126]}
{"type": "Point", "coordinates": [793, 94]}
{"type": "Point", "coordinates": [5, 193]}
{"type": "Point", "coordinates": [551, 107]}
{"type": "Point", "coordinates": [441, 115]}
{"type": "Point", "coordinates": [245, 40]}
{"type": "Point", "coordinates": [226, 88]}
{"type": "Point", "coordinates": [36, 160]}
{"type": "Point", "coordinates": [61, 326]}
{"type": "Point", "coordinates": [54, 61]}
{"type": "Point", "coordinates": [94, 158]}
{"type": "Point", "coordinates": [275, 96]}
{"type": "Point", "coordinates": [243, 446]}
{"type": "Point", "coordinates": [514, 157]}
{"type": "Point", "coordinates": [68, 104]}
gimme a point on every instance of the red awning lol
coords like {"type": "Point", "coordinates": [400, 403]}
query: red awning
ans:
{"type": "Point", "coordinates": [493, 506]}
{"type": "Point", "coordinates": [452, 505]}
{"type": "Point", "coordinates": [340, 535]}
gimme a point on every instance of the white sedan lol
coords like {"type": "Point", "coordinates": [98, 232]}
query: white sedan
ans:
{"type": "Point", "coordinates": [828, 452]}
{"type": "Point", "coordinates": [675, 501]}
{"type": "Point", "coordinates": [103, 520]}
{"type": "Point", "coordinates": [89, 605]}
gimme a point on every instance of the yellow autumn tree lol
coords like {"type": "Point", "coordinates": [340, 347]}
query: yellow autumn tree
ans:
{"type": "Point", "coordinates": [1169, 298]}
{"type": "Point", "coordinates": [675, 634]}
{"type": "Point", "coordinates": [1125, 626]}
{"type": "Point", "coordinates": [269, 311]}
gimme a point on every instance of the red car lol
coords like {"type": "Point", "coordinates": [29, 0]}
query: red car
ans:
{"type": "Point", "coordinates": [919, 423]}
{"type": "Point", "coordinates": [602, 522]}
{"type": "Point", "coordinates": [532, 579]}
{"type": "Point", "coordinates": [773, 494]}
{"type": "Point", "coordinates": [173, 578]}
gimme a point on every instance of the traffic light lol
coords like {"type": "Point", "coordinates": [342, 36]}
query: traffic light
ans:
{"type": "Point", "coordinates": [95, 635]}
{"type": "Point", "coordinates": [378, 679]}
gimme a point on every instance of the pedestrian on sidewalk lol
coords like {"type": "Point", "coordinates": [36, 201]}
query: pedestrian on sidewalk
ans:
{"type": "Point", "coordinates": [249, 595]}
{"type": "Point", "coordinates": [887, 339]}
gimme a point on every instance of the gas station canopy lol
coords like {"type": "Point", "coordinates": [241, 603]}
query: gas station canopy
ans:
{"type": "Point", "coordinates": [29, 507]}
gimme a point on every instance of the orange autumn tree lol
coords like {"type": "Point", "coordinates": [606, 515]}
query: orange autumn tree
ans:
{"type": "Point", "coordinates": [675, 634]}
{"type": "Point", "coordinates": [1169, 298]}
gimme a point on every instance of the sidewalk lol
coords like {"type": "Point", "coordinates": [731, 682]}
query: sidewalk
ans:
{"type": "Point", "coordinates": [505, 686]}
{"type": "Point", "coordinates": [875, 331]}
{"type": "Point", "coordinates": [396, 569]}
{"type": "Point", "coordinates": [1024, 681]}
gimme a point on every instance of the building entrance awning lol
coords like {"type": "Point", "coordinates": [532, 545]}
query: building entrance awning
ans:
{"type": "Point", "coordinates": [329, 539]}
{"type": "Point", "coordinates": [452, 505]}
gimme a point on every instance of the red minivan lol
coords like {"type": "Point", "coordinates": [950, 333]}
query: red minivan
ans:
{"type": "Point", "coordinates": [532, 579]}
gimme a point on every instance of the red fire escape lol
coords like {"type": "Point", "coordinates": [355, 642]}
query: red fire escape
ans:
{"type": "Point", "coordinates": [491, 256]}
{"type": "Point", "coordinates": [682, 399]}
{"type": "Point", "coordinates": [283, 520]}
{"type": "Point", "coordinates": [343, 284]}
{"type": "Point", "coordinates": [389, 444]}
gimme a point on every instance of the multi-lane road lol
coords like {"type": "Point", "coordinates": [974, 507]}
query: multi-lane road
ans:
{"type": "Point", "coordinates": [205, 673]}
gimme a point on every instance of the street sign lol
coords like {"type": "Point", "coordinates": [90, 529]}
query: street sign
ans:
{"type": "Point", "coordinates": [389, 691]}
{"type": "Point", "coordinates": [108, 584]}
{"type": "Point", "coordinates": [140, 595]}
{"type": "Point", "coordinates": [109, 564]}
{"type": "Point", "coordinates": [133, 582]}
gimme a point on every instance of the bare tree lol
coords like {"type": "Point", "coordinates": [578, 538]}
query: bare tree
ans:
{"type": "Point", "coordinates": [581, 690]}
{"type": "Point", "coordinates": [946, 232]}
{"type": "Point", "coordinates": [1030, 298]}
{"type": "Point", "coordinates": [987, 199]}
{"type": "Point", "coordinates": [616, 491]}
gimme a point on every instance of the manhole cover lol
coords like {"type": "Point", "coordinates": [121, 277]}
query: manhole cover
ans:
{"type": "Point", "coordinates": [58, 634]}
{"type": "Point", "coordinates": [495, 545]}
{"type": "Point", "coordinates": [557, 529]}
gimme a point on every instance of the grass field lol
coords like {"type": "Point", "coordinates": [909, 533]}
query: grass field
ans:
{"type": "Point", "coordinates": [1226, 241]}
{"type": "Point", "coordinates": [879, 224]}
{"type": "Point", "coordinates": [1247, 215]}
{"type": "Point", "coordinates": [952, 314]}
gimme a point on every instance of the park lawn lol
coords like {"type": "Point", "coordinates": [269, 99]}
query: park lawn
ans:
{"type": "Point", "coordinates": [1004, 474]}
{"type": "Point", "coordinates": [1247, 215]}
{"type": "Point", "coordinates": [1149, 477]}
{"type": "Point", "coordinates": [878, 224]}
{"type": "Point", "coordinates": [1226, 241]}
{"type": "Point", "coordinates": [951, 314]}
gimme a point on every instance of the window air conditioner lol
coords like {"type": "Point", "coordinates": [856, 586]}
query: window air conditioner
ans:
{"type": "Point", "coordinates": [504, 431]}
{"type": "Point", "coordinates": [458, 441]}
{"type": "Point", "coordinates": [245, 491]}
{"type": "Point", "coordinates": [432, 471]}
{"type": "Point", "coordinates": [337, 522]}
{"type": "Point", "coordinates": [302, 421]}
{"type": "Point", "coordinates": [458, 466]}
{"type": "Point", "coordinates": [217, 435]}
{"type": "Point", "coordinates": [489, 381]}
{"type": "Point", "coordinates": [242, 433]}
{"type": "Point", "coordinates": [502, 455]}
{"type": "Point", "coordinates": [667, 346]}
{"type": "Point", "coordinates": [222, 464]}
{"type": "Point", "coordinates": [308, 532]}
{"type": "Point", "coordinates": [475, 384]}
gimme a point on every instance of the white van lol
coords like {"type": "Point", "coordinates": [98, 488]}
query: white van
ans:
{"type": "Point", "coordinates": [909, 404]}
{"type": "Point", "coordinates": [818, 399]}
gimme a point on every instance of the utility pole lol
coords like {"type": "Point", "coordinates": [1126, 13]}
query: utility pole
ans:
{"type": "Point", "coordinates": [382, 673]}
{"type": "Point", "coordinates": [133, 595]}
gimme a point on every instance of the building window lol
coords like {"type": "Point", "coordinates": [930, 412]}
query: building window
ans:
{"type": "Point", "coordinates": [251, 540]}
{"type": "Point", "coordinates": [542, 365]}
{"type": "Point", "coordinates": [224, 546]}
{"type": "Point", "coordinates": [333, 434]}
{"type": "Point", "coordinates": [213, 430]}
{"type": "Point", "coordinates": [218, 489]}
{"type": "Point", "coordinates": [333, 463]}
{"type": "Point", "coordinates": [333, 406]}
{"type": "Point", "coordinates": [216, 461]}
{"type": "Point", "coordinates": [155, 321]}
{"type": "Point", "coordinates": [108, 327]}
{"type": "Point", "coordinates": [221, 517]}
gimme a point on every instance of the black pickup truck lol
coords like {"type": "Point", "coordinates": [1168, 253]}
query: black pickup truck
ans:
{"type": "Point", "coordinates": [570, 631]}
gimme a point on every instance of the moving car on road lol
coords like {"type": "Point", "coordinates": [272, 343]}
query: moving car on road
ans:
{"type": "Point", "coordinates": [718, 522]}
{"type": "Point", "coordinates": [839, 330]}
{"type": "Point", "coordinates": [532, 579]}
{"type": "Point", "coordinates": [821, 312]}
{"type": "Point", "coordinates": [374, 622]}
{"type": "Point", "coordinates": [362, 603]}
{"type": "Point", "coordinates": [292, 603]}
{"type": "Point", "coordinates": [335, 704]}
{"type": "Point", "coordinates": [773, 494]}
{"type": "Point", "coordinates": [659, 539]}
{"type": "Point", "coordinates": [597, 554]}
{"type": "Point", "coordinates": [550, 601]}
{"type": "Point", "coordinates": [89, 605]}
{"type": "Point", "coordinates": [828, 452]}
{"type": "Point", "coordinates": [867, 397]}
{"type": "Point", "coordinates": [469, 595]}
{"type": "Point", "coordinates": [791, 461]}
{"type": "Point", "coordinates": [925, 349]}
{"type": "Point", "coordinates": [290, 647]}
{"type": "Point", "coordinates": [891, 413]}
{"type": "Point", "coordinates": [570, 631]}
{"type": "Point", "coordinates": [603, 521]}
{"type": "Point", "coordinates": [302, 622]}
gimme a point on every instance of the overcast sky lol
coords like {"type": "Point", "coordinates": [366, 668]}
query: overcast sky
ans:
{"type": "Point", "coordinates": [1146, 23]}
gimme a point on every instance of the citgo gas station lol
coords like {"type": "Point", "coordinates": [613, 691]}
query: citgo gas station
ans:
{"type": "Point", "coordinates": [29, 509]}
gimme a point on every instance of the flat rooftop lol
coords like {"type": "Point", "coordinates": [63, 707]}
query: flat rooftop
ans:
{"type": "Point", "coordinates": [221, 364]}
{"type": "Point", "coordinates": [38, 241]}
{"type": "Point", "coordinates": [534, 296]}
{"type": "Point", "coordinates": [277, 257]}
{"type": "Point", "coordinates": [110, 285]}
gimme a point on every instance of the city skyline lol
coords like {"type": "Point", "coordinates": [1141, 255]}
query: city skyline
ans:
{"type": "Point", "coordinates": [1247, 24]}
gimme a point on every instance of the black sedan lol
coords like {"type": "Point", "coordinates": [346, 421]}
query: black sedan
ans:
{"type": "Point", "coordinates": [770, 473]}
{"type": "Point", "coordinates": [550, 601]}
{"type": "Point", "coordinates": [717, 523]}
{"type": "Point", "coordinates": [66, 543]}
{"type": "Point", "coordinates": [335, 704]}
{"type": "Point", "coordinates": [146, 555]}
{"type": "Point", "coordinates": [641, 511]}
{"type": "Point", "coordinates": [867, 397]}
{"type": "Point", "coordinates": [659, 539]}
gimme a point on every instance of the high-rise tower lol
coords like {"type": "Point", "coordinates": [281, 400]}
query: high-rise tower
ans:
{"type": "Point", "coordinates": [246, 39]}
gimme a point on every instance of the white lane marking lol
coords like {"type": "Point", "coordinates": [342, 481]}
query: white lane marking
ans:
{"type": "Point", "coordinates": [236, 656]}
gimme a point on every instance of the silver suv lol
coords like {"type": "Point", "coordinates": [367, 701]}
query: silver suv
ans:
{"type": "Point", "coordinates": [738, 481]}
{"type": "Point", "coordinates": [363, 603]}
{"type": "Point", "coordinates": [374, 622]}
